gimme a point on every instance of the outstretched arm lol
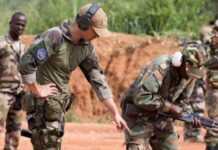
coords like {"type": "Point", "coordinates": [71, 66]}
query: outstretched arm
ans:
{"type": "Point", "coordinates": [92, 71]}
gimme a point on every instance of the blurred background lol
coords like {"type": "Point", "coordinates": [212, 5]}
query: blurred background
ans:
{"type": "Point", "coordinates": [153, 17]}
{"type": "Point", "coordinates": [143, 30]}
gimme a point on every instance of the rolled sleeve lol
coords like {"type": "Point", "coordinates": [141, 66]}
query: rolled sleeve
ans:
{"type": "Point", "coordinates": [29, 78]}
{"type": "Point", "coordinates": [100, 85]}
{"type": "Point", "coordinates": [94, 74]}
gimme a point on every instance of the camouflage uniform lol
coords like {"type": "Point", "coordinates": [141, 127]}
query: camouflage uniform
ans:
{"type": "Point", "coordinates": [211, 137]}
{"type": "Point", "coordinates": [11, 90]}
{"type": "Point", "coordinates": [159, 83]}
{"type": "Point", "coordinates": [196, 103]}
{"type": "Point", "coordinates": [51, 59]}
{"type": "Point", "coordinates": [197, 106]}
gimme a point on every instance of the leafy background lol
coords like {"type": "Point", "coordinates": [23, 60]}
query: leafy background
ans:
{"type": "Point", "coordinates": [153, 17]}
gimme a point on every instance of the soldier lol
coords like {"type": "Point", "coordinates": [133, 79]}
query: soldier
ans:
{"type": "Point", "coordinates": [206, 32]}
{"type": "Point", "coordinates": [211, 137]}
{"type": "Point", "coordinates": [11, 88]}
{"type": "Point", "coordinates": [197, 106]}
{"type": "Point", "coordinates": [46, 68]}
{"type": "Point", "coordinates": [161, 87]}
{"type": "Point", "coordinates": [197, 99]}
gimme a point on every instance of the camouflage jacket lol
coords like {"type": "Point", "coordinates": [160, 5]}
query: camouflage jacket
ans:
{"type": "Point", "coordinates": [212, 68]}
{"type": "Point", "coordinates": [160, 82]}
{"type": "Point", "coordinates": [52, 57]}
{"type": "Point", "coordinates": [10, 54]}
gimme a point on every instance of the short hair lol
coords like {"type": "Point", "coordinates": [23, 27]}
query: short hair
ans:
{"type": "Point", "coordinates": [16, 14]}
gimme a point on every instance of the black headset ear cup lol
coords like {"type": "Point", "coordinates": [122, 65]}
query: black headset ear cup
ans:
{"type": "Point", "coordinates": [83, 22]}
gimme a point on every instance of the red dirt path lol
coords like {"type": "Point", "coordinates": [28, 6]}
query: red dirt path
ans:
{"type": "Point", "coordinates": [92, 136]}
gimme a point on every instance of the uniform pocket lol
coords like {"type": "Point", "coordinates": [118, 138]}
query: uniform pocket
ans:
{"type": "Point", "coordinates": [53, 110]}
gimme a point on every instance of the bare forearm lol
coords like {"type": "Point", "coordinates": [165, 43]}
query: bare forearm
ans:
{"type": "Point", "coordinates": [33, 87]}
{"type": "Point", "coordinates": [111, 106]}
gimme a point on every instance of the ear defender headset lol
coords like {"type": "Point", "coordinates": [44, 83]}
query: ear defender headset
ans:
{"type": "Point", "coordinates": [177, 59]}
{"type": "Point", "coordinates": [84, 21]}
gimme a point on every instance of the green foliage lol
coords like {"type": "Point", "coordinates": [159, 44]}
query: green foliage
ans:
{"type": "Point", "coordinates": [163, 17]}
{"type": "Point", "coordinates": [159, 16]}
{"type": "Point", "coordinates": [212, 6]}
{"type": "Point", "coordinates": [45, 14]}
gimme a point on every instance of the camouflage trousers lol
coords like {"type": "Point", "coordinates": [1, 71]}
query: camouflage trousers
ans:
{"type": "Point", "coordinates": [46, 121]}
{"type": "Point", "coordinates": [211, 137]}
{"type": "Point", "coordinates": [146, 135]}
{"type": "Point", "coordinates": [10, 113]}
{"type": "Point", "coordinates": [198, 107]}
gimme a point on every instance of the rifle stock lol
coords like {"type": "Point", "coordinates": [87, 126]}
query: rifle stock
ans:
{"type": "Point", "coordinates": [26, 133]}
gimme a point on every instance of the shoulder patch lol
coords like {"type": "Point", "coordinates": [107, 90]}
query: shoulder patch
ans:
{"type": "Point", "coordinates": [41, 54]}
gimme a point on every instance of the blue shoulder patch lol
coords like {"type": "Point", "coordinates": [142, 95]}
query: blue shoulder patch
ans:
{"type": "Point", "coordinates": [41, 54]}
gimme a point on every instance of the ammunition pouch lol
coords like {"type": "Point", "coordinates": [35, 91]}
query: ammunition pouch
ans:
{"type": "Point", "coordinates": [35, 117]}
{"type": "Point", "coordinates": [57, 130]}
{"type": "Point", "coordinates": [132, 110]}
{"type": "Point", "coordinates": [53, 109]}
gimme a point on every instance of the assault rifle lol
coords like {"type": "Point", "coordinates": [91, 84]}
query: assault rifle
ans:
{"type": "Point", "coordinates": [134, 111]}
{"type": "Point", "coordinates": [188, 118]}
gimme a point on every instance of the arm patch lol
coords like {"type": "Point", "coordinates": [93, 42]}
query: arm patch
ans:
{"type": "Point", "coordinates": [40, 52]}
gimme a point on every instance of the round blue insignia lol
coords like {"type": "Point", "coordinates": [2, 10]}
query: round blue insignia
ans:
{"type": "Point", "coordinates": [41, 54]}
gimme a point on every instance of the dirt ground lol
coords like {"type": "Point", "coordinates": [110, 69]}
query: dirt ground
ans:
{"type": "Point", "coordinates": [92, 136]}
